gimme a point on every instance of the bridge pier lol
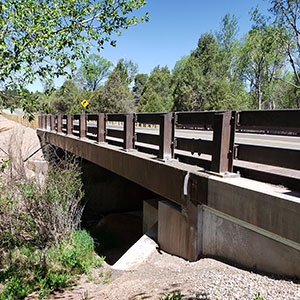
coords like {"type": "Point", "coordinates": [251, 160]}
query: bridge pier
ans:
{"type": "Point", "coordinates": [179, 230]}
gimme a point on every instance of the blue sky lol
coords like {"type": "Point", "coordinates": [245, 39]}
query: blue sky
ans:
{"type": "Point", "coordinates": [173, 31]}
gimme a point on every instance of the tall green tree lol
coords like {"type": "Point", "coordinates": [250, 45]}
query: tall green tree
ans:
{"type": "Point", "coordinates": [43, 39]}
{"type": "Point", "coordinates": [92, 72]}
{"type": "Point", "coordinates": [113, 97]}
{"type": "Point", "coordinates": [200, 82]}
{"type": "Point", "coordinates": [62, 100]}
{"type": "Point", "coordinates": [228, 43]}
{"type": "Point", "coordinates": [127, 70]}
{"type": "Point", "coordinates": [139, 86]}
{"type": "Point", "coordinates": [287, 17]}
{"type": "Point", "coordinates": [262, 59]}
{"type": "Point", "coordinates": [157, 93]}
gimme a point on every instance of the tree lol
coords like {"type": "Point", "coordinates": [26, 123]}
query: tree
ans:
{"type": "Point", "coordinates": [92, 72]}
{"type": "Point", "coordinates": [139, 86]}
{"type": "Point", "coordinates": [228, 44]}
{"type": "Point", "coordinates": [262, 59]}
{"type": "Point", "coordinates": [113, 97]}
{"type": "Point", "coordinates": [127, 70]}
{"type": "Point", "coordinates": [200, 83]}
{"type": "Point", "coordinates": [287, 17]}
{"type": "Point", "coordinates": [151, 102]}
{"type": "Point", "coordinates": [43, 39]}
{"type": "Point", "coordinates": [157, 93]}
{"type": "Point", "coordinates": [62, 100]}
{"type": "Point", "coordinates": [77, 108]}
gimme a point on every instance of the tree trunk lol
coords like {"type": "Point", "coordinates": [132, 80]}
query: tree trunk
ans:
{"type": "Point", "coordinates": [259, 96]}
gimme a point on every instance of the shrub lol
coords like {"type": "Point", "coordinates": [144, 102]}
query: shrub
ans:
{"type": "Point", "coordinates": [41, 212]}
{"type": "Point", "coordinates": [41, 248]}
{"type": "Point", "coordinates": [25, 273]}
{"type": "Point", "coordinates": [175, 296]}
{"type": "Point", "coordinates": [15, 288]}
{"type": "Point", "coordinates": [258, 297]}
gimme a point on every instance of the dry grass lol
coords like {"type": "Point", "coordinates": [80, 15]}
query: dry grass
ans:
{"type": "Point", "coordinates": [22, 120]}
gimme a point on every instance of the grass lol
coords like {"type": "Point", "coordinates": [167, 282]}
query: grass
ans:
{"type": "Point", "coordinates": [54, 269]}
{"type": "Point", "coordinates": [41, 248]}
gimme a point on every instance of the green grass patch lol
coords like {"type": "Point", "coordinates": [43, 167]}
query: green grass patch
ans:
{"type": "Point", "coordinates": [29, 269]}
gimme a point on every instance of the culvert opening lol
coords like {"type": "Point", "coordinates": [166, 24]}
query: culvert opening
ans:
{"type": "Point", "coordinates": [115, 233]}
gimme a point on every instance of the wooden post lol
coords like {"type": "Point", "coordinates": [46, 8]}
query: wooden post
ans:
{"type": "Point", "coordinates": [166, 136]}
{"type": "Point", "coordinates": [223, 140]}
{"type": "Point", "coordinates": [101, 128]}
{"type": "Point", "coordinates": [82, 126]}
{"type": "Point", "coordinates": [59, 123]}
{"type": "Point", "coordinates": [69, 124]}
{"type": "Point", "coordinates": [40, 121]}
{"type": "Point", "coordinates": [129, 128]}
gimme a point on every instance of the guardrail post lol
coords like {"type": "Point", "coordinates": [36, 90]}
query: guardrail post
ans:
{"type": "Point", "coordinates": [166, 136]}
{"type": "Point", "coordinates": [82, 125]}
{"type": "Point", "coordinates": [233, 124]}
{"type": "Point", "coordinates": [59, 123]}
{"type": "Point", "coordinates": [52, 122]}
{"type": "Point", "coordinates": [42, 121]}
{"type": "Point", "coordinates": [223, 142]}
{"type": "Point", "coordinates": [48, 122]}
{"type": "Point", "coordinates": [69, 124]}
{"type": "Point", "coordinates": [101, 128]}
{"type": "Point", "coordinates": [129, 128]}
{"type": "Point", "coordinates": [45, 121]}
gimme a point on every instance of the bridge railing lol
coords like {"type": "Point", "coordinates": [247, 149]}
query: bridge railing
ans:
{"type": "Point", "coordinates": [222, 150]}
{"type": "Point", "coordinates": [284, 121]}
{"type": "Point", "coordinates": [165, 137]}
{"type": "Point", "coordinates": [269, 120]}
{"type": "Point", "coordinates": [222, 145]}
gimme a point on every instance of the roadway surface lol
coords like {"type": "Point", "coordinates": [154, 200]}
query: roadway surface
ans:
{"type": "Point", "coordinates": [278, 141]}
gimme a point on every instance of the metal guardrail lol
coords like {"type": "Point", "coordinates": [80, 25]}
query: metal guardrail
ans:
{"type": "Point", "coordinates": [222, 149]}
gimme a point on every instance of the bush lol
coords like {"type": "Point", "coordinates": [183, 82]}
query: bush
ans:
{"type": "Point", "coordinates": [38, 212]}
{"type": "Point", "coordinates": [175, 296]}
{"type": "Point", "coordinates": [15, 288]}
{"type": "Point", "coordinates": [258, 297]}
{"type": "Point", "coordinates": [41, 248]}
{"type": "Point", "coordinates": [25, 273]}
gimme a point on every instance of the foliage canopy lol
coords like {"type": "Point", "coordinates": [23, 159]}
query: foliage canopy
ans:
{"type": "Point", "coordinates": [43, 39]}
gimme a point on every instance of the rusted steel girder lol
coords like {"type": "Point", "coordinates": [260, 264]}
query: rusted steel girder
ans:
{"type": "Point", "coordinates": [167, 178]}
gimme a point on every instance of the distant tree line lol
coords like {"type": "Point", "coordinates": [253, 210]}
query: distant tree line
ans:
{"type": "Point", "coordinates": [258, 71]}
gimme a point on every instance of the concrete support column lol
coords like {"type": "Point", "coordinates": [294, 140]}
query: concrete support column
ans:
{"type": "Point", "coordinates": [179, 230]}
{"type": "Point", "coordinates": [150, 214]}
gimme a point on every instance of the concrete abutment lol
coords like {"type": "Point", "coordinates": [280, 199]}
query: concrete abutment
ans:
{"type": "Point", "coordinates": [242, 223]}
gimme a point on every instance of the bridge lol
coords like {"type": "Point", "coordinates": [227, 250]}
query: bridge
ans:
{"type": "Point", "coordinates": [216, 188]}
